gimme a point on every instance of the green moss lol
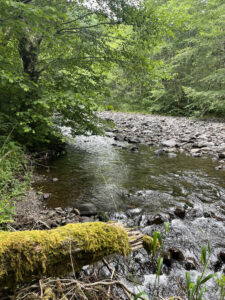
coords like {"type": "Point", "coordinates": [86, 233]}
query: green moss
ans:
{"type": "Point", "coordinates": [49, 252]}
{"type": "Point", "coordinates": [148, 244]}
{"type": "Point", "coordinates": [49, 295]}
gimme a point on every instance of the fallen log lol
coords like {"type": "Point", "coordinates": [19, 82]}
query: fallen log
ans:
{"type": "Point", "coordinates": [28, 254]}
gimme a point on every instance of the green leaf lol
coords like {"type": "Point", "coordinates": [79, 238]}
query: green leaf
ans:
{"type": "Point", "coordinates": [140, 294]}
{"type": "Point", "coordinates": [203, 255]}
{"type": "Point", "coordinates": [167, 226]}
{"type": "Point", "coordinates": [155, 239]}
{"type": "Point", "coordinates": [208, 277]}
{"type": "Point", "coordinates": [159, 266]}
{"type": "Point", "coordinates": [203, 289]}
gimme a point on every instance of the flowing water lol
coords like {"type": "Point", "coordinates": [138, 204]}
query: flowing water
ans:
{"type": "Point", "coordinates": [137, 186]}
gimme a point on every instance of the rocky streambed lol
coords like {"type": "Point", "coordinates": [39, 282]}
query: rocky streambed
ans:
{"type": "Point", "coordinates": [146, 171]}
{"type": "Point", "coordinates": [171, 134]}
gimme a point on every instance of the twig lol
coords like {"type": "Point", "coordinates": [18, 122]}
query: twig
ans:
{"type": "Point", "coordinates": [41, 288]}
{"type": "Point", "coordinates": [43, 223]}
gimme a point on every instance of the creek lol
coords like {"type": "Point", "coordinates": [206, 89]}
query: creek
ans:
{"type": "Point", "coordinates": [143, 189]}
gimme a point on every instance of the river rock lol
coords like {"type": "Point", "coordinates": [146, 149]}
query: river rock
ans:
{"type": "Point", "coordinates": [59, 210]}
{"type": "Point", "coordinates": [51, 214]}
{"type": "Point", "coordinates": [69, 209]}
{"type": "Point", "coordinates": [195, 150]}
{"type": "Point", "coordinates": [167, 259]}
{"type": "Point", "coordinates": [222, 256]}
{"type": "Point", "coordinates": [119, 138]}
{"type": "Point", "coordinates": [87, 209]}
{"type": "Point", "coordinates": [46, 196]}
{"type": "Point", "coordinates": [221, 155]}
{"type": "Point", "coordinates": [169, 143]}
{"type": "Point", "coordinates": [134, 211]}
{"type": "Point", "coordinates": [172, 155]}
{"type": "Point", "coordinates": [134, 140]}
{"type": "Point", "coordinates": [76, 211]}
{"type": "Point", "coordinates": [180, 212]}
{"type": "Point", "coordinates": [197, 154]}
{"type": "Point", "coordinates": [190, 264]}
{"type": "Point", "coordinates": [176, 254]}
{"type": "Point", "coordinates": [157, 220]}
{"type": "Point", "coordinates": [159, 152]}
{"type": "Point", "coordinates": [134, 149]}
{"type": "Point", "coordinates": [85, 219]}
{"type": "Point", "coordinates": [206, 214]}
{"type": "Point", "coordinates": [218, 168]}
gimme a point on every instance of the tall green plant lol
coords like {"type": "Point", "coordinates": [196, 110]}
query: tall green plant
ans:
{"type": "Point", "coordinates": [196, 290]}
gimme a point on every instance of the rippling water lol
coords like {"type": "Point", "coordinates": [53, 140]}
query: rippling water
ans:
{"type": "Point", "coordinates": [117, 179]}
{"type": "Point", "coordinates": [93, 170]}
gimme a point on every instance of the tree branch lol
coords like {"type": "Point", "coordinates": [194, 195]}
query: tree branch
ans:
{"type": "Point", "coordinates": [84, 27]}
{"type": "Point", "coordinates": [79, 18]}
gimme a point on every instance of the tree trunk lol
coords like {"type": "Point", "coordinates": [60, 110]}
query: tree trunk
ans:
{"type": "Point", "coordinates": [25, 254]}
{"type": "Point", "coordinates": [29, 50]}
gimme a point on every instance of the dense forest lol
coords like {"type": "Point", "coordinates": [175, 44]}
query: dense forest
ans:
{"type": "Point", "coordinates": [62, 62]}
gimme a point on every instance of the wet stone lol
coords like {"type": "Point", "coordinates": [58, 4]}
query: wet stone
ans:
{"type": "Point", "coordinates": [221, 155]}
{"type": "Point", "coordinates": [134, 149]}
{"type": "Point", "coordinates": [167, 260]}
{"type": "Point", "coordinates": [159, 152]}
{"type": "Point", "coordinates": [206, 214]}
{"type": "Point", "coordinates": [218, 168]}
{"type": "Point", "coordinates": [134, 140]}
{"type": "Point", "coordinates": [176, 254]}
{"type": "Point", "coordinates": [157, 220]}
{"type": "Point", "coordinates": [87, 209]}
{"type": "Point", "coordinates": [172, 155]}
{"type": "Point", "coordinates": [190, 264]}
{"type": "Point", "coordinates": [222, 256]}
{"type": "Point", "coordinates": [180, 212]}
{"type": "Point", "coordinates": [86, 219]}
{"type": "Point", "coordinates": [217, 266]}
{"type": "Point", "coordinates": [119, 138]}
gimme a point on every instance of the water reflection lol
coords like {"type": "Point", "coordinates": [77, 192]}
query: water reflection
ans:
{"type": "Point", "coordinates": [114, 178]}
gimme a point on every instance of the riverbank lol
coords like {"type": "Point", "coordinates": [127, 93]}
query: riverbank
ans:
{"type": "Point", "coordinates": [170, 134]}
{"type": "Point", "coordinates": [151, 186]}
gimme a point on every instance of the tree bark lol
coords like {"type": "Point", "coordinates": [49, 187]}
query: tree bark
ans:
{"type": "Point", "coordinates": [28, 254]}
{"type": "Point", "coordinates": [29, 50]}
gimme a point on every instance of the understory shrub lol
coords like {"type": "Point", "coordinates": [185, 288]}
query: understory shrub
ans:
{"type": "Point", "coordinates": [14, 178]}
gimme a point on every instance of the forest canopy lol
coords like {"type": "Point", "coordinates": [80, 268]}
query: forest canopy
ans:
{"type": "Point", "coordinates": [53, 59]}
{"type": "Point", "coordinates": [187, 75]}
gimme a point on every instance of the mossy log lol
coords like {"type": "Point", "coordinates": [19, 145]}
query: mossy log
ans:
{"type": "Point", "coordinates": [25, 254]}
